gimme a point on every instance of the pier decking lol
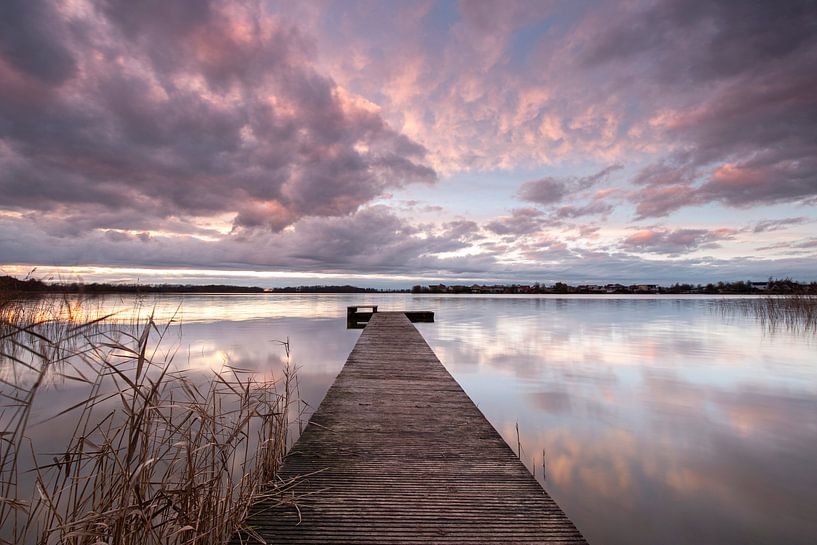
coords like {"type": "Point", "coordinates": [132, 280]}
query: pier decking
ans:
{"type": "Point", "coordinates": [398, 453]}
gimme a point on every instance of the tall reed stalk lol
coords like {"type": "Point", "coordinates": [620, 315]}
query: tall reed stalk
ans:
{"type": "Point", "coordinates": [796, 313]}
{"type": "Point", "coordinates": [156, 456]}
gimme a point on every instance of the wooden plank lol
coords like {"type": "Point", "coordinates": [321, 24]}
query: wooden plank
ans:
{"type": "Point", "coordinates": [398, 453]}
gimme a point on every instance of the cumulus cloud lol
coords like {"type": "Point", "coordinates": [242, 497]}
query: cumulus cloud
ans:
{"type": "Point", "coordinates": [376, 241]}
{"type": "Point", "coordinates": [32, 42]}
{"type": "Point", "coordinates": [186, 109]}
{"type": "Point", "coordinates": [675, 242]}
{"type": "Point", "coordinates": [550, 190]}
{"type": "Point", "coordinates": [521, 221]}
{"type": "Point", "coordinates": [659, 200]}
{"type": "Point", "coordinates": [781, 177]}
{"type": "Point", "coordinates": [544, 191]}
{"type": "Point", "coordinates": [373, 239]}
{"type": "Point", "coordinates": [260, 134]}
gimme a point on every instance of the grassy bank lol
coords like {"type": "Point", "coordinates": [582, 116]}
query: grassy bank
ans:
{"type": "Point", "coordinates": [154, 454]}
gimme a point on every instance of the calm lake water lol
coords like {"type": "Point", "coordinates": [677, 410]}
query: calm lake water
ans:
{"type": "Point", "coordinates": [662, 419]}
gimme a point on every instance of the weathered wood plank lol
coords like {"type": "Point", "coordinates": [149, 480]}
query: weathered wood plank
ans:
{"type": "Point", "coordinates": [404, 456]}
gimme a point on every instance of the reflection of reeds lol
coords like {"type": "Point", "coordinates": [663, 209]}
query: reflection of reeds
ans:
{"type": "Point", "coordinates": [155, 456]}
{"type": "Point", "coordinates": [796, 313]}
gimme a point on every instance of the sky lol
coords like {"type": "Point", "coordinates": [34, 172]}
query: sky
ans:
{"type": "Point", "coordinates": [393, 143]}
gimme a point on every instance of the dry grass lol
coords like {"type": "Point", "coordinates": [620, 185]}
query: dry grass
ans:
{"type": "Point", "coordinates": [795, 313]}
{"type": "Point", "coordinates": [156, 455]}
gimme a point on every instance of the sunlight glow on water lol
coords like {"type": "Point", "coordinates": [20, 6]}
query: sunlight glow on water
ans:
{"type": "Point", "coordinates": [662, 420]}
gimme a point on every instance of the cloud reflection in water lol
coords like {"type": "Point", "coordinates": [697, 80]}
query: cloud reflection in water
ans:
{"type": "Point", "coordinates": [662, 421]}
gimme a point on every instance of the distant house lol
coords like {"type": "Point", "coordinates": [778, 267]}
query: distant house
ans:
{"type": "Point", "coordinates": [761, 286]}
{"type": "Point", "coordinates": [646, 288]}
{"type": "Point", "coordinates": [589, 288]}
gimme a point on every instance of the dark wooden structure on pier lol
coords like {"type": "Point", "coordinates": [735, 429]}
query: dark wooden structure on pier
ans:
{"type": "Point", "coordinates": [398, 453]}
{"type": "Point", "coordinates": [357, 319]}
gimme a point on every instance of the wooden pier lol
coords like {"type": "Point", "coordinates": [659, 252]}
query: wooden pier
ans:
{"type": "Point", "coordinates": [357, 319]}
{"type": "Point", "coordinates": [398, 453]}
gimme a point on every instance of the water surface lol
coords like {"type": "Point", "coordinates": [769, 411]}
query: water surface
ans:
{"type": "Point", "coordinates": [661, 419]}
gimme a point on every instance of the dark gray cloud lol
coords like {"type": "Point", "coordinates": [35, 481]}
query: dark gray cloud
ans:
{"type": "Point", "coordinates": [33, 41]}
{"type": "Point", "coordinates": [462, 231]}
{"type": "Point", "coordinates": [543, 191]}
{"type": "Point", "coordinates": [374, 239]}
{"type": "Point", "coordinates": [184, 109]}
{"type": "Point", "coordinates": [733, 84]}
{"type": "Point", "coordinates": [778, 177]}
{"type": "Point", "coordinates": [719, 38]}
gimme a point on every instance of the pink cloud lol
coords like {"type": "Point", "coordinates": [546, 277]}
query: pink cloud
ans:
{"type": "Point", "coordinates": [677, 241]}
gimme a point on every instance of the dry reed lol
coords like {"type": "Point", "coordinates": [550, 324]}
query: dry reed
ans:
{"type": "Point", "coordinates": [794, 313]}
{"type": "Point", "coordinates": [156, 456]}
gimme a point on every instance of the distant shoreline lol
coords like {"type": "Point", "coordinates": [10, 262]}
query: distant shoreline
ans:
{"type": "Point", "coordinates": [9, 284]}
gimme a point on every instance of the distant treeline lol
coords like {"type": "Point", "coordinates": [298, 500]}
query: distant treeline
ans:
{"type": "Point", "coordinates": [771, 287]}
{"type": "Point", "coordinates": [331, 289]}
{"type": "Point", "coordinates": [32, 285]}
